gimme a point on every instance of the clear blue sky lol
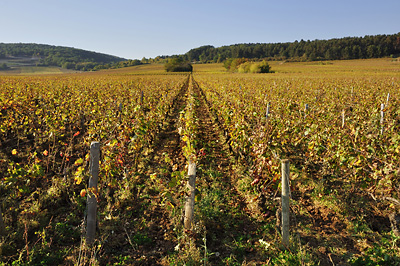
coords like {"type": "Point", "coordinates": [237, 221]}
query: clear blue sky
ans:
{"type": "Point", "coordinates": [134, 29]}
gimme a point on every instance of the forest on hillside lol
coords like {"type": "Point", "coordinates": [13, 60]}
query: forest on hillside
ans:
{"type": "Point", "coordinates": [65, 57]}
{"type": "Point", "coordinates": [334, 49]}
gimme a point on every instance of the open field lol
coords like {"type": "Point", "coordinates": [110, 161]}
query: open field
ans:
{"type": "Point", "coordinates": [20, 61]}
{"type": "Point", "coordinates": [325, 117]}
{"type": "Point", "coordinates": [35, 70]}
{"type": "Point", "coordinates": [27, 66]}
{"type": "Point", "coordinates": [146, 69]}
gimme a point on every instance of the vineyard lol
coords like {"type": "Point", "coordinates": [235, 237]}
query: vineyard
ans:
{"type": "Point", "coordinates": [338, 124]}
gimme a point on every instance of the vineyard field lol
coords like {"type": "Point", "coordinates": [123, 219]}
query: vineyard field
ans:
{"type": "Point", "coordinates": [337, 122]}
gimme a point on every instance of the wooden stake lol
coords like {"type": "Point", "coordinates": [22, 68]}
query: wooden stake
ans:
{"type": "Point", "coordinates": [92, 193]}
{"type": "Point", "coordinates": [285, 203]}
{"type": "Point", "coordinates": [2, 226]}
{"type": "Point", "coordinates": [267, 113]}
{"type": "Point", "coordinates": [120, 112]}
{"type": "Point", "coordinates": [305, 110]}
{"type": "Point", "coordinates": [343, 117]}
{"type": "Point", "coordinates": [382, 116]}
{"type": "Point", "coordinates": [189, 205]}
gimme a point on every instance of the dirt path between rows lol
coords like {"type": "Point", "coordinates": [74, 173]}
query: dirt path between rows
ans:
{"type": "Point", "coordinates": [166, 145]}
{"type": "Point", "coordinates": [230, 230]}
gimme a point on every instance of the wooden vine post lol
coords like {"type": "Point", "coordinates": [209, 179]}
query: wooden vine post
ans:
{"type": "Point", "coordinates": [285, 203]}
{"type": "Point", "coordinates": [268, 109]}
{"type": "Point", "coordinates": [120, 112]}
{"type": "Point", "coordinates": [2, 226]}
{"type": "Point", "coordinates": [382, 116]}
{"type": "Point", "coordinates": [189, 205]}
{"type": "Point", "coordinates": [92, 192]}
{"type": "Point", "coordinates": [306, 107]}
{"type": "Point", "coordinates": [343, 117]}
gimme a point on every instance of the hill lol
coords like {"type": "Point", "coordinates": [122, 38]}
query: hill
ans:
{"type": "Point", "coordinates": [31, 54]}
{"type": "Point", "coordinates": [376, 46]}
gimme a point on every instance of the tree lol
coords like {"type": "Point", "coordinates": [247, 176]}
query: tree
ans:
{"type": "Point", "coordinates": [177, 64]}
{"type": "Point", "coordinates": [371, 50]}
{"type": "Point", "coordinates": [144, 60]}
{"type": "Point", "coordinates": [3, 66]}
{"type": "Point", "coordinates": [357, 53]}
{"type": "Point", "coordinates": [203, 58]}
{"type": "Point", "coordinates": [68, 65]}
{"type": "Point", "coordinates": [264, 67]}
{"type": "Point", "coordinates": [227, 63]}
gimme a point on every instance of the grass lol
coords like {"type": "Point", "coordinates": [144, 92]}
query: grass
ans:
{"type": "Point", "coordinates": [35, 70]}
{"type": "Point", "coordinates": [370, 67]}
{"type": "Point", "coordinates": [216, 68]}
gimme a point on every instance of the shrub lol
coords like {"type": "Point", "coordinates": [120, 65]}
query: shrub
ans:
{"type": "Point", "coordinates": [262, 67]}
{"type": "Point", "coordinates": [236, 63]}
{"type": "Point", "coordinates": [242, 65]}
{"type": "Point", "coordinates": [245, 67]}
{"type": "Point", "coordinates": [265, 67]}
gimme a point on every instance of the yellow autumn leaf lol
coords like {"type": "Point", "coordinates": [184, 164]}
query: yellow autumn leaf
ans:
{"type": "Point", "coordinates": [311, 146]}
{"type": "Point", "coordinates": [153, 176]}
{"type": "Point", "coordinates": [78, 180]}
{"type": "Point", "coordinates": [358, 162]}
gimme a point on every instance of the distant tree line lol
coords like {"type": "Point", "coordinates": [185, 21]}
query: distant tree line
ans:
{"type": "Point", "coordinates": [334, 49]}
{"type": "Point", "coordinates": [87, 66]}
{"type": "Point", "coordinates": [65, 57]}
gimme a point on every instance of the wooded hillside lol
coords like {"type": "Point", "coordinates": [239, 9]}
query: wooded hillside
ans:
{"type": "Point", "coordinates": [334, 49]}
{"type": "Point", "coordinates": [66, 57]}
